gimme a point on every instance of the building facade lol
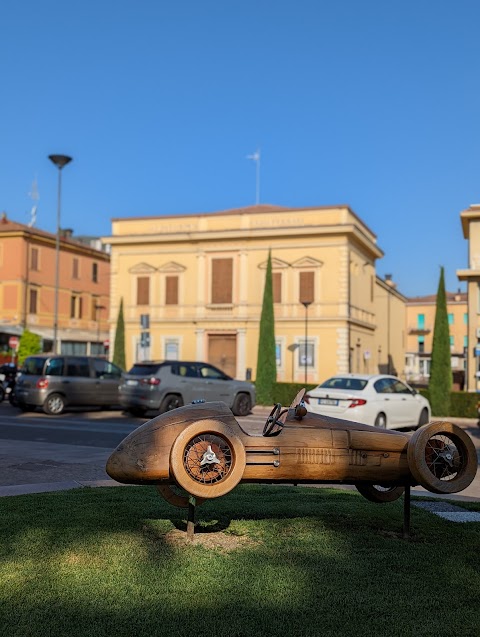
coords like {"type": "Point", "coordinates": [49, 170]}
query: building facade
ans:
{"type": "Point", "coordinates": [390, 316]}
{"type": "Point", "coordinates": [28, 284]}
{"type": "Point", "coordinates": [420, 323]}
{"type": "Point", "coordinates": [192, 288]}
{"type": "Point", "coordinates": [470, 219]}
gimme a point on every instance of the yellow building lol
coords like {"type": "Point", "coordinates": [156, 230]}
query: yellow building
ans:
{"type": "Point", "coordinates": [390, 332]}
{"type": "Point", "coordinates": [470, 219]}
{"type": "Point", "coordinates": [193, 286]}
{"type": "Point", "coordinates": [420, 323]}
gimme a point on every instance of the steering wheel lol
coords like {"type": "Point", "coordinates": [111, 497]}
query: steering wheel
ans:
{"type": "Point", "coordinates": [273, 420]}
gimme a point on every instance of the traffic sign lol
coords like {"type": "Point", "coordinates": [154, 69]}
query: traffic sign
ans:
{"type": "Point", "coordinates": [13, 342]}
{"type": "Point", "coordinates": [106, 343]}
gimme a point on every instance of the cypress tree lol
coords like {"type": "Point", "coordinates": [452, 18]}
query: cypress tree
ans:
{"type": "Point", "coordinates": [440, 384]}
{"type": "Point", "coordinates": [266, 358]}
{"type": "Point", "coordinates": [119, 348]}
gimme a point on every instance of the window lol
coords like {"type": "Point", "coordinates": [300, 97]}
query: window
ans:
{"type": "Point", "coordinates": [425, 367]}
{"type": "Point", "coordinates": [465, 318]}
{"type": "Point", "coordinates": [143, 290]}
{"type": "Point", "coordinates": [171, 290]}
{"type": "Point", "coordinates": [95, 272]}
{"type": "Point", "coordinates": [222, 280]}
{"type": "Point", "coordinates": [452, 341]}
{"type": "Point", "coordinates": [306, 356]}
{"type": "Point", "coordinates": [208, 371]}
{"type": "Point", "coordinates": [78, 366]}
{"type": "Point", "coordinates": [76, 306]}
{"type": "Point", "coordinates": [189, 370]}
{"type": "Point", "coordinates": [278, 354]}
{"type": "Point", "coordinates": [34, 259]}
{"type": "Point", "coordinates": [450, 319]}
{"type": "Point", "coordinates": [277, 287]}
{"type": "Point", "coordinates": [33, 298]}
{"type": "Point", "coordinates": [465, 341]}
{"type": "Point", "coordinates": [76, 348]}
{"type": "Point", "coordinates": [421, 344]}
{"type": "Point", "coordinates": [307, 280]}
{"type": "Point", "coordinates": [75, 269]}
{"type": "Point", "coordinates": [55, 367]}
{"type": "Point", "coordinates": [105, 369]}
{"type": "Point", "coordinates": [421, 321]}
{"type": "Point", "coordinates": [171, 350]}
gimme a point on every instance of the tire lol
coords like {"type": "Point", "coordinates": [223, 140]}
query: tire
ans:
{"type": "Point", "coordinates": [54, 405]}
{"type": "Point", "coordinates": [442, 457]}
{"type": "Point", "coordinates": [172, 495]}
{"type": "Point", "coordinates": [242, 405]}
{"type": "Point", "coordinates": [172, 401]}
{"type": "Point", "coordinates": [423, 420]}
{"type": "Point", "coordinates": [381, 421]}
{"type": "Point", "coordinates": [379, 493]}
{"type": "Point", "coordinates": [215, 478]}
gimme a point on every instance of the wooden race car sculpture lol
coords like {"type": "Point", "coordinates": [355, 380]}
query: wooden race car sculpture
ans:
{"type": "Point", "coordinates": [204, 450]}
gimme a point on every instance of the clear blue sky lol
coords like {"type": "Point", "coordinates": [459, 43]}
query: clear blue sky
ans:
{"type": "Point", "coordinates": [372, 103]}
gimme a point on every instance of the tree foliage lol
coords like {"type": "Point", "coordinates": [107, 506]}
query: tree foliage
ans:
{"type": "Point", "coordinates": [266, 358]}
{"type": "Point", "coordinates": [440, 384]}
{"type": "Point", "coordinates": [119, 346]}
{"type": "Point", "coordinates": [29, 344]}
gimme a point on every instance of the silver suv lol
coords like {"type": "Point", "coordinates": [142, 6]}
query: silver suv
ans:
{"type": "Point", "coordinates": [55, 382]}
{"type": "Point", "coordinates": [162, 386]}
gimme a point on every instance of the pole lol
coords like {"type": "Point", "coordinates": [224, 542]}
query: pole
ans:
{"type": "Point", "coordinates": [258, 178]}
{"type": "Point", "coordinates": [57, 264]}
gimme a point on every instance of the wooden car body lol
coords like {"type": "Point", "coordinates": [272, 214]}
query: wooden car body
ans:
{"type": "Point", "coordinates": [203, 449]}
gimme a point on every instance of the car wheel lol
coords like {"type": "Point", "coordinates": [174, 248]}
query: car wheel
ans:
{"type": "Point", "coordinates": [381, 421]}
{"type": "Point", "coordinates": [207, 459]}
{"type": "Point", "coordinates": [176, 496]}
{"type": "Point", "coordinates": [242, 405]}
{"type": "Point", "coordinates": [442, 457]}
{"type": "Point", "coordinates": [172, 401]}
{"type": "Point", "coordinates": [379, 493]}
{"type": "Point", "coordinates": [54, 405]}
{"type": "Point", "coordinates": [423, 417]}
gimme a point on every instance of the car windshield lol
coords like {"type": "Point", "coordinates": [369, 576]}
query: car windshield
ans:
{"type": "Point", "coordinates": [356, 384]}
{"type": "Point", "coordinates": [33, 365]}
{"type": "Point", "coordinates": [144, 370]}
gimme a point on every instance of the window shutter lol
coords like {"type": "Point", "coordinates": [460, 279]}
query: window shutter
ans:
{"type": "Point", "coordinates": [222, 278]}
{"type": "Point", "coordinates": [143, 290]}
{"type": "Point", "coordinates": [75, 269]}
{"type": "Point", "coordinates": [277, 287]}
{"type": "Point", "coordinates": [34, 259]}
{"type": "Point", "coordinates": [171, 290]}
{"type": "Point", "coordinates": [306, 287]}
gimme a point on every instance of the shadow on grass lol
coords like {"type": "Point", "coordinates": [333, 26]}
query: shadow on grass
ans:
{"type": "Point", "coordinates": [98, 562]}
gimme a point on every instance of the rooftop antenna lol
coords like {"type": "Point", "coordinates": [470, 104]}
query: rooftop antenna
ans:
{"type": "Point", "coordinates": [256, 158]}
{"type": "Point", "coordinates": [34, 196]}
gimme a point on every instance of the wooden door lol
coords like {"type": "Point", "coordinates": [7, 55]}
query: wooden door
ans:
{"type": "Point", "coordinates": [222, 352]}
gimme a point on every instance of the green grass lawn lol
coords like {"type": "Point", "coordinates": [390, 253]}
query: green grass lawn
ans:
{"type": "Point", "coordinates": [276, 561]}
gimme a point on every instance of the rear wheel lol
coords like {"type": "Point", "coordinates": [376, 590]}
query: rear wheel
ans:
{"type": "Point", "coordinates": [379, 493]}
{"type": "Point", "coordinates": [172, 401]}
{"type": "Point", "coordinates": [442, 457]}
{"type": "Point", "coordinates": [54, 405]}
{"type": "Point", "coordinates": [242, 405]}
{"type": "Point", "coordinates": [381, 421]}
{"type": "Point", "coordinates": [207, 459]}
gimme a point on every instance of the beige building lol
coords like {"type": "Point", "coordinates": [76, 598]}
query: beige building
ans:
{"type": "Point", "coordinates": [390, 315]}
{"type": "Point", "coordinates": [420, 323]}
{"type": "Point", "coordinates": [192, 288]}
{"type": "Point", "coordinates": [27, 289]}
{"type": "Point", "coordinates": [470, 219]}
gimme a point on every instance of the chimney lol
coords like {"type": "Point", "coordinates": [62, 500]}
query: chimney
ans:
{"type": "Point", "coordinates": [389, 282]}
{"type": "Point", "coordinates": [66, 233]}
{"type": "Point", "coordinates": [4, 217]}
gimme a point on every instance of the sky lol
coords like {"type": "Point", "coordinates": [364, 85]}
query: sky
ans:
{"type": "Point", "coordinates": [372, 103]}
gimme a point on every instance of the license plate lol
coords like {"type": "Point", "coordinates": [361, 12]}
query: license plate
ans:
{"type": "Point", "coordinates": [327, 401]}
{"type": "Point", "coordinates": [132, 382]}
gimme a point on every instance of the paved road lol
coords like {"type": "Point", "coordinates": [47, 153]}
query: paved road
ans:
{"type": "Point", "coordinates": [48, 453]}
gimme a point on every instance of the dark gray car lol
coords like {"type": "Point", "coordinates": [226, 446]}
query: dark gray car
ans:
{"type": "Point", "coordinates": [162, 386]}
{"type": "Point", "coordinates": [55, 382]}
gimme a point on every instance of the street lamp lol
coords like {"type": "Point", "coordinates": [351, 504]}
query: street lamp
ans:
{"type": "Point", "coordinates": [60, 161]}
{"type": "Point", "coordinates": [97, 315]}
{"type": "Point", "coordinates": [305, 305]}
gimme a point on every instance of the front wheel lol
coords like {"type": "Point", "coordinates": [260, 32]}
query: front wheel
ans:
{"type": "Point", "coordinates": [207, 459]}
{"type": "Point", "coordinates": [379, 493]}
{"type": "Point", "coordinates": [54, 405]}
{"type": "Point", "coordinates": [242, 405]}
{"type": "Point", "coordinates": [442, 457]}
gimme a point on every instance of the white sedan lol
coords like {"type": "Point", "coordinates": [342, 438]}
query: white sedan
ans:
{"type": "Point", "coordinates": [380, 400]}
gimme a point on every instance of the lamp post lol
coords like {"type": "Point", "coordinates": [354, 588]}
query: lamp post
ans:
{"type": "Point", "coordinates": [305, 305]}
{"type": "Point", "coordinates": [97, 314]}
{"type": "Point", "coordinates": [60, 161]}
